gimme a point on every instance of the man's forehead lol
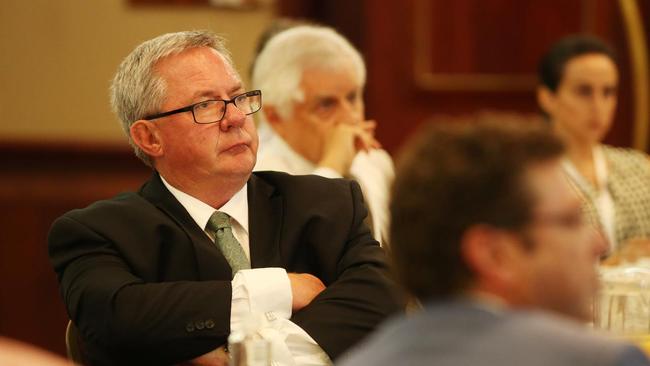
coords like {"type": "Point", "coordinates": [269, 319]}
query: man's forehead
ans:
{"type": "Point", "coordinates": [196, 64]}
{"type": "Point", "coordinates": [339, 65]}
{"type": "Point", "coordinates": [327, 81]}
{"type": "Point", "coordinates": [195, 54]}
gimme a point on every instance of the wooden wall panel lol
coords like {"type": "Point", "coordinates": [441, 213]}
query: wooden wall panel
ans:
{"type": "Point", "coordinates": [469, 36]}
{"type": "Point", "coordinates": [472, 55]}
{"type": "Point", "coordinates": [432, 57]}
{"type": "Point", "coordinates": [38, 183]}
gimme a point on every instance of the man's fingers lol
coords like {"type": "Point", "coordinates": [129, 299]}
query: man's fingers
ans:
{"type": "Point", "coordinates": [216, 357]}
{"type": "Point", "coordinates": [369, 126]}
{"type": "Point", "coordinates": [365, 141]}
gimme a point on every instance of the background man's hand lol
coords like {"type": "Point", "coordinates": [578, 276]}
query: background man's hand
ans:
{"type": "Point", "coordinates": [304, 288]}
{"type": "Point", "coordinates": [344, 141]}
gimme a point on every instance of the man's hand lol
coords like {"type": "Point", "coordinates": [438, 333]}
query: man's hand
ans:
{"type": "Point", "coordinates": [304, 288]}
{"type": "Point", "coordinates": [217, 357]}
{"type": "Point", "coordinates": [344, 141]}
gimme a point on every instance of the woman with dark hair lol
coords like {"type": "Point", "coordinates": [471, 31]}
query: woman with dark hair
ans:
{"type": "Point", "coordinates": [578, 93]}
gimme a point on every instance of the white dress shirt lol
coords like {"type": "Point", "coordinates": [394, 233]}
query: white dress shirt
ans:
{"type": "Point", "coordinates": [373, 170]}
{"type": "Point", "coordinates": [265, 291]}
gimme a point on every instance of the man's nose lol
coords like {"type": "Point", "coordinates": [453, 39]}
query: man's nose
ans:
{"type": "Point", "coordinates": [599, 242]}
{"type": "Point", "coordinates": [349, 113]}
{"type": "Point", "coordinates": [233, 117]}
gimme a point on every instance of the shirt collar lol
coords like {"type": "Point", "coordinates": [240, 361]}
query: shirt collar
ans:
{"type": "Point", "coordinates": [236, 207]}
{"type": "Point", "coordinates": [485, 300]}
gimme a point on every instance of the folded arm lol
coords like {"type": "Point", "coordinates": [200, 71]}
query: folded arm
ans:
{"type": "Point", "coordinates": [117, 310]}
{"type": "Point", "coordinates": [361, 295]}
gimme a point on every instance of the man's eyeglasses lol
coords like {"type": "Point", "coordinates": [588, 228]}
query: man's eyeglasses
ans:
{"type": "Point", "coordinates": [569, 220]}
{"type": "Point", "coordinates": [213, 110]}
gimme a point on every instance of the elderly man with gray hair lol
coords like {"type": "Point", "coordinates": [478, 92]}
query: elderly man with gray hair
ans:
{"type": "Point", "coordinates": [313, 118]}
{"type": "Point", "coordinates": [162, 275]}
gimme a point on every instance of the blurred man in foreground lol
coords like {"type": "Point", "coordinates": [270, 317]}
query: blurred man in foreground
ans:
{"type": "Point", "coordinates": [488, 234]}
{"type": "Point", "coordinates": [16, 353]}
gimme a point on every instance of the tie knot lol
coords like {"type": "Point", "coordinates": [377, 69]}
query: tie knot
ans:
{"type": "Point", "coordinates": [219, 220]}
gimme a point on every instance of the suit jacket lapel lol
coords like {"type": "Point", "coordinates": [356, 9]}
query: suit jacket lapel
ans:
{"type": "Point", "coordinates": [265, 216]}
{"type": "Point", "coordinates": [210, 262]}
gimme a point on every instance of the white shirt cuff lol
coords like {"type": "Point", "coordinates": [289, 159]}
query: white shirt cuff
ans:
{"type": "Point", "coordinates": [268, 290]}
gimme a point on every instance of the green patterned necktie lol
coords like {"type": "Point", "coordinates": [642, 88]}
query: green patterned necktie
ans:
{"type": "Point", "coordinates": [219, 226]}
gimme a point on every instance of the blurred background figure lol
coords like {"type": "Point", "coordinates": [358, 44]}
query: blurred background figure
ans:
{"type": "Point", "coordinates": [579, 82]}
{"type": "Point", "coordinates": [313, 119]}
{"type": "Point", "coordinates": [14, 353]}
{"type": "Point", "coordinates": [488, 234]}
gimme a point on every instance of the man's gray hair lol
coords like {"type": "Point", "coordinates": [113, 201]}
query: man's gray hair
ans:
{"type": "Point", "coordinates": [137, 91]}
{"type": "Point", "coordinates": [279, 67]}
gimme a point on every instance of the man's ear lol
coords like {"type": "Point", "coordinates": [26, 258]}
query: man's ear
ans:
{"type": "Point", "coordinates": [546, 99]}
{"type": "Point", "coordinates": [147, 137]}
{"type": "Point", "coordinates": [492, 255]}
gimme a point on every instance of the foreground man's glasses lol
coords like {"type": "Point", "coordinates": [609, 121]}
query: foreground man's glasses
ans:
{"type": "Point", "coordinates": [213, 110]}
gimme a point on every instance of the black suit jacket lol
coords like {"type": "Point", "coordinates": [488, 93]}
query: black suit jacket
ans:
{"type": "Point", "coordinates": [145, 285]}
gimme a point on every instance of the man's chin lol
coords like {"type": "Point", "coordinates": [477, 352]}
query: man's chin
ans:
{"type": "Point", "coordinates": [241, 168]}
{"type": "Point", "coordinates": [583, 311]}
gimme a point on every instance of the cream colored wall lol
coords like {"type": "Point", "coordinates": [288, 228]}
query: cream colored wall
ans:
{"type": "Point", "coordinates": [57, 57]}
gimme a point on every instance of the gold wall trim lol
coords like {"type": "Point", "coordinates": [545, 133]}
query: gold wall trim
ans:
{"type": "Point", "coordinates": [633, 25]}
{"type": "Point", "coordinates": [475, 82]}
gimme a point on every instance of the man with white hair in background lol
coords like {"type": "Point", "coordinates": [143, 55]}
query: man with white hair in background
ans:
{"type": "Point", "coordinates": [313, 117]}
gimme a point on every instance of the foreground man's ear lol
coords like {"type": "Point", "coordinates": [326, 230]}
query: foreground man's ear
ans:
{"type": "Point", "coordinates": [493, 255]}
{"type": "Point", "coordinates": [147, 137]}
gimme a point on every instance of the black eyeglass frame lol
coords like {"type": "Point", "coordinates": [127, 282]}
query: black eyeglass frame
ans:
{"type": "Point", "coordinates": [190, 108]}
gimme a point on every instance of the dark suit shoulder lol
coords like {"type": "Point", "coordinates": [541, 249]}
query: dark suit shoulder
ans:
{"type": "Point", "coordinates": [124, 207]}
{"type": "Point", "coordinates": [119, 220]}
{"type": "Point", "coordinates": [120, 201]}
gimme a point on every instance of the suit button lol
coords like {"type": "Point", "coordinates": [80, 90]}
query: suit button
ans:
{"type": "Point", "coordinates": [209, 324]}
{"type": "Point", "coordinates": [189, 327]}
{"type": "Point", "coordinates": [199, 325]}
